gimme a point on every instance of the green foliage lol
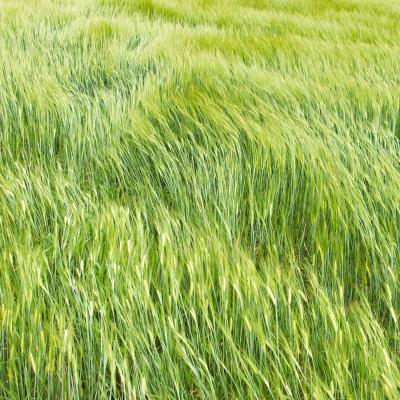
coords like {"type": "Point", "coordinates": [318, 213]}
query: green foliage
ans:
{"type": "Point", "coordinates": [199, 199]}
{"type": "Point", "coordinates": [98, 28]}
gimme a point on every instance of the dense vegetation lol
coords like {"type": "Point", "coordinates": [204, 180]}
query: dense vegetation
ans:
{"type": "Point", "coordinates": [199, 199]}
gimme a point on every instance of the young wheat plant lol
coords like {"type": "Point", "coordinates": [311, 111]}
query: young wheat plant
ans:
{"type": "Point", "coordinates": [200, 199]}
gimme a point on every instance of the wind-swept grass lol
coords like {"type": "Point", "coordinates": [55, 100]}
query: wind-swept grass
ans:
{"type": "Point", "coordinates": [199, 199]}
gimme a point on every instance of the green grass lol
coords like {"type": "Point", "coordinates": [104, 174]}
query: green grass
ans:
{"type": "Point", "coordinates": [199, 199]}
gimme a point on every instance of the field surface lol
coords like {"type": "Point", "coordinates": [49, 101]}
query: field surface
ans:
{"type": "Point", "coordinates": [200, 199]}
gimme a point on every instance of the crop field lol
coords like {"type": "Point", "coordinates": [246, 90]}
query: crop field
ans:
{"type": "Point", "coordinates": [200, 199]}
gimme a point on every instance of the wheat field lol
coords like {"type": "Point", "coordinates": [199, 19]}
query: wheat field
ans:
{"type": "Point", "coordinates": [200, 199]}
